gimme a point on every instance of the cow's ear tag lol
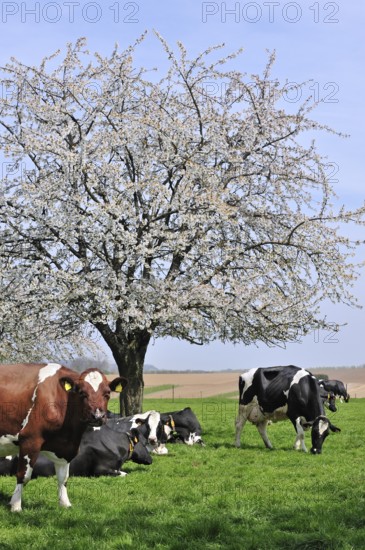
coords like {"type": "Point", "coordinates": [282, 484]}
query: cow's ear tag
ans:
{"type": "Point", "coordinates": [67, 386]}
{"type": "Point", "coordinates": [118, 388]}
{"type": "Point", "coordinates": [135, 439]}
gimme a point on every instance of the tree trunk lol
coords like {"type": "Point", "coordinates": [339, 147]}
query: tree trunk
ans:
{"type": "Point", "coordinates": [129, 351]}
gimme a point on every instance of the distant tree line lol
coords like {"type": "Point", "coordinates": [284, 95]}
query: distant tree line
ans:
{"type": "Point", "coordinates": [82, 363]}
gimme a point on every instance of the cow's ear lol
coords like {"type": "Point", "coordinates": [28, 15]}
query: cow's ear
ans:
{"type": "Point", "coordinates": [139, 421]}
{"type": "Point", "coordinates": [68, 384]}
{"type": "Point", "coordinates": [334, 428]}
{"type": "Point", "coordinates": [118, 384]}
{"type": "Point", "coordinates": [306, 425]}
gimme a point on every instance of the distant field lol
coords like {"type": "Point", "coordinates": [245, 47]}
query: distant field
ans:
{"type": "Point", "coordinates": [199, 385]}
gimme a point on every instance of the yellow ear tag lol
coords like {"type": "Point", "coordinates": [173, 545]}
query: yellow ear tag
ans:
{"type": "Point", "coordinates": [172, 423]}
{"type": "Point", "coordinates": [67, 386]}
{"type": "Point", "coordinates": [131, 447]}
{"type": "Point", "coordinates": [135, 440]}
{"type": "Point", "coordinates": [119, 388]}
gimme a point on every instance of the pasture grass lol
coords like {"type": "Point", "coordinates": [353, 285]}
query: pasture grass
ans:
{"type": "Point", "coordinates": [213, 497]}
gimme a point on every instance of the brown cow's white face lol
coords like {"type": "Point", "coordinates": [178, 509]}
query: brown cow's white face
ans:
{"type": "Point", "coordinates": [93, 391]}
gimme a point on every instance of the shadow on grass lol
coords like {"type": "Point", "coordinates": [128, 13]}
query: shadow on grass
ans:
{"type": "Point", "coordinates": [245, 526]}
{"type": "Point", "coordinates": [5, 498]}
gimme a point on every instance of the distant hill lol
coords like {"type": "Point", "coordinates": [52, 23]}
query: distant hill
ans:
{"type": "Point", "coordinates": [151, 368]}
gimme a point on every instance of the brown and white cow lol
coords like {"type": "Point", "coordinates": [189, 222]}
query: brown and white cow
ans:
{"type": "Point", "coordinates": [45, 409]}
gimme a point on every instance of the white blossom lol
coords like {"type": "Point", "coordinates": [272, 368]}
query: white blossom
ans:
{"type": "Point", "coordinates": [152, 206]}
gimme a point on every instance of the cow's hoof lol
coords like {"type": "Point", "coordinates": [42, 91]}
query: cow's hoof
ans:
{"type": "Point", "coordinates": [65, 504]}
{"type": "Point", "coordinates": [16, 508]}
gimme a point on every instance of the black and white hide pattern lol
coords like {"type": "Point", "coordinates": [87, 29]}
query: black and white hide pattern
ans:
{"type": "Point", "coordinates": [148, 424]}
{"type": "Point", "coordinates": [182, 426]}
{"type": "Point", "coordinates": [280, 393]}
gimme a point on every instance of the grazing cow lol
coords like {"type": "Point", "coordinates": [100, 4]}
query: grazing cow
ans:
{"type": "Point", "coordinates": [335, 386]}
{"type": "Point", "coordinates": [102, 453]}
{"type": "Point", "coordinates": [278, 393]}
{"type": "Point", "coordinates": [328, 399]}
{"type": "Point", "coordinates": [182, 426]}
{"type": "Point", "coordinates": [148, 424]}
{"type": "Point", "coordinates": [45, 409]}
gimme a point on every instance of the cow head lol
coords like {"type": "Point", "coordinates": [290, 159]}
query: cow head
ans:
{"type": "Point", "coordinates": [321, 428]}
{"type": "Point", "coordinates": [331, 400]}
{"type": "Point", "coordinates": [194, 438]}
{"type": "Point", "coordinates": [150, 425]}
{"type": "Point", "coordinates": [91, 393]}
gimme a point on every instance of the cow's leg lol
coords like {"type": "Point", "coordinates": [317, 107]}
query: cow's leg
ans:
{"type": "Point", "coordinates": [161, 449]}
{"type": "Point", "coordinates": [62, 477]}
{"type": "Point", "coordinates": [16, 499]}
{"type": "Point", "coordinates": [26, 461]}
{"type": "Point", "coordinates": [299, 440]}
{"type": "Point", "coordinates": [240, 423]}
{"type": "Point", "coordinates": [262, 430]}
{"type": "Point", "coordinates": [23, 475]}
{"type": "Point", "coordinates": [62, 472]}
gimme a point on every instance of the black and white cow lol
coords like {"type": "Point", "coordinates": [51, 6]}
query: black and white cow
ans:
{"type": "Point", "coordinates": [278, 393]}
{"type": "Point", "coordinates": [328, 398]}
{"type": "Point", "coordinates": [335, 386]}
{"type": "Point", "coordinates": [102, 453]}
{"type": "Point", "coordinates": [43, 467]}
{"type": "Point", "coordinates": [182, 426]}
{"type": "Point", "coordinates": [148, 424]}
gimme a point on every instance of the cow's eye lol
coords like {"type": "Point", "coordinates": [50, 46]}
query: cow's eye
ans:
{"type": "Point", "coordinates": [83, 394]}
{"type": "Point", "coordinates": [107, 396]}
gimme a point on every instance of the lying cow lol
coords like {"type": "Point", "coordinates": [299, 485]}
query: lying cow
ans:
{"type": "Point", "coordinates": [42, 468]}
{"type": "Point", "coordinates": [278, 393]}
{"type": "Point", "coordinates": [45, 409]}
{"type": "Point", "coordinates": [182, 426]}
{"type": "Point", "coordinates": [336, 387]}
{"type": "Point", "coordinates": [148, 424]}
{"type": "Point", "coordinates": [102, 453]}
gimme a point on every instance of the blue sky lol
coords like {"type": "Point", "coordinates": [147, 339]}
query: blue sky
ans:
{"type": "Point", "coordinates": [322, 41]}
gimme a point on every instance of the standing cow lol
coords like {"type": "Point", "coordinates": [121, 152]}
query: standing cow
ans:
{"type": "Point", "coordinates": [336, 387]}
{"type": "Point", "coordinates": [45, 408]}
{"type": "Point", "coordinates": [278, 393]}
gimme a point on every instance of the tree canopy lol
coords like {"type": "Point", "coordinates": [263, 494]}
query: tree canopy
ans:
{"type": "Point", "coordinates": [143, 205]}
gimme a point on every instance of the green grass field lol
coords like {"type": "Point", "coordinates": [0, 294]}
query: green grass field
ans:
{"type": "Point", "coordinates": [217, 497]}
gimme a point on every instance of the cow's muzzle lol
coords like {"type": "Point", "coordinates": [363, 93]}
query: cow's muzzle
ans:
{"type": "Point", "coordinates": [97, 418]}
{"type": "Point", "coordinates": [315, 451]}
